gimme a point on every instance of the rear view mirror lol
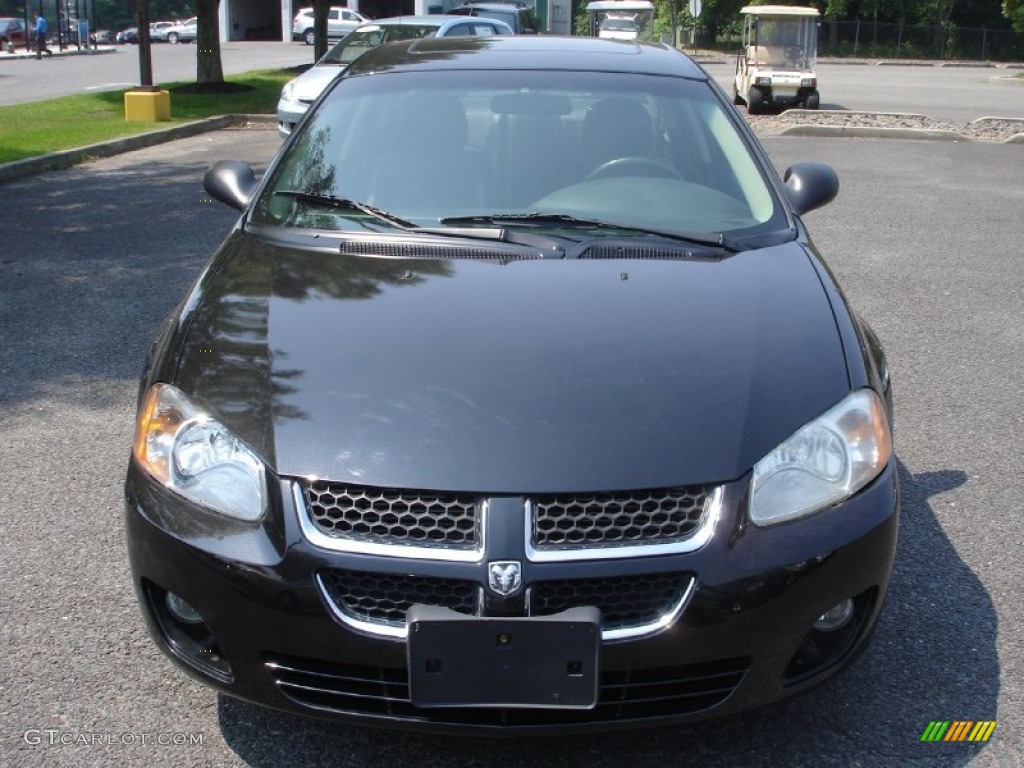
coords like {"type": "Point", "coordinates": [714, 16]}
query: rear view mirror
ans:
{"type": "Point", "coordinates": [810, 185]}
{"type": "Point", "coordinates": [232, 182]}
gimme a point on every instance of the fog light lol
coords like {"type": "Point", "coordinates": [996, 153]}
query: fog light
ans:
{"type": "Point", "coordinates": [182, 610]}
{"type": "Point", "coordinates": [836, 617]}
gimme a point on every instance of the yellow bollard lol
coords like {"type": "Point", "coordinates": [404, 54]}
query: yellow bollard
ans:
{"type": "Point", "coordinates": [147, 105]}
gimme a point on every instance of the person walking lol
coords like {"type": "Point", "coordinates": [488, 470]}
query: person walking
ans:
{"type": "Point", "coordinates": [41, 36]}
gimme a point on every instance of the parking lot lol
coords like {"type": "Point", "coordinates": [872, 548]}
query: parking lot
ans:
{"type": "Point", "coordinates": [925, 236]}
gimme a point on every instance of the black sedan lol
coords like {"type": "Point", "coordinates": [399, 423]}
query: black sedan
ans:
{"type": "Point", "coordinates": [517, 400]}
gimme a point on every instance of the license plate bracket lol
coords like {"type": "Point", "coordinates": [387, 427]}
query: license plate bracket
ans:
{"type": "Point", "coordinates": [546, 662]}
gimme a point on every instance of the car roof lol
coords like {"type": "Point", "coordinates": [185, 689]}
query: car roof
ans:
{"type": "Point", "coordinates": [528, 52]}
{"type": "Point", "coordinates": [443, 23]}
{"type": "Point", "coordinates": [495, 5]}
{"type": "Point", "coordinates": [431, 19]}
{"type": "Point", "coordinates": [778, 10]}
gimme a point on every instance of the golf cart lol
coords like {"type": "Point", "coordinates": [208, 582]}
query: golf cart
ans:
{"type": "Point", "coordinates": [776, 65]}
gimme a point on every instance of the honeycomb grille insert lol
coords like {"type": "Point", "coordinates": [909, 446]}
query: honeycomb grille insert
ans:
{"type": "Point", "coordinates": [625, 601]}
{"type": "Point", "coordinates": [384, 598]}
{"type": "Point", "coordinates": [395, 517]}
{"type": "Point", "coordinates": [663, 516]}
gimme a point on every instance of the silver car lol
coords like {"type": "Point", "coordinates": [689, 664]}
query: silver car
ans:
{"type": "Point", "coordinates": [299, 93]}
{"type": "Point", "coordinates": [186, 32]}
{"type": "Point", "coordinates": [340, 21]}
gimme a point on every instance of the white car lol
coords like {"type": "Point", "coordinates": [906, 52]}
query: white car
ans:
{"type": "Point", "coordinates": [299, 93]}
{"type": "Point", "coordinates": [186, 32]}
{"type": "Point", "coordinates": [340, 21]}
{"type": "Point", "coordinates": [158, 30]}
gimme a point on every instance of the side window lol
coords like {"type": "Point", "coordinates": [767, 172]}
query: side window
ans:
{"type": "Point", "coordinates": [484, 29]}
{"type": "Point", "coordinates": [334, 14]}
{"type": "Point", "coordinates": [348, 15]}
{"type": "Point", "coordinates": [460, 30]}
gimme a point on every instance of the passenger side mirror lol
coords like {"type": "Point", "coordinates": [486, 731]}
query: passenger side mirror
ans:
{"type": "Point", "coordinates": [810, 185]}
{"type": "Point", "coordinates": [232, 182]}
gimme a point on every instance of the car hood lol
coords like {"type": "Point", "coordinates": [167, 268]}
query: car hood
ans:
{"type": "Point", "coordinates": [311, 83]}
{"type": "Point", "coordinates": [529, 376]}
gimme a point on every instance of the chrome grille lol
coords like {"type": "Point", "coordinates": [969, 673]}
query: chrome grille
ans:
{"type": "Point", "coordinates": [628, 694]}
{"type": "Point", "coordinates": [394, 517]}
{"type": "Point", "coordinates": [662, 516]}
{"type": "Point", "coordinates": [384, 598]}
{"type": "Point", "coordinates": [630, 605]}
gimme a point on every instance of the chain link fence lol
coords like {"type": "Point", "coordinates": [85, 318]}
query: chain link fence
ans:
{"type": "Point", "coordinates": [869, 39]}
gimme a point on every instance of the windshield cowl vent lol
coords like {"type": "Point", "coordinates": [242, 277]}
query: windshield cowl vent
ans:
{"type": "Point", "coordinates": [426, 250]}
{"type": "Point", "coordinates": [648, 252]}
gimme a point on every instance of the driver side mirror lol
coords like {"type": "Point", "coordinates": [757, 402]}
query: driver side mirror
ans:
{"type": "Point", "coordinates": [232, 182]}
{"type": "Point", "coordinates": [810, 185]}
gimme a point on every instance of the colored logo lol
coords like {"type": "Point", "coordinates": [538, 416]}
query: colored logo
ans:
{"type": "Point", "coordinates": [958, 730]}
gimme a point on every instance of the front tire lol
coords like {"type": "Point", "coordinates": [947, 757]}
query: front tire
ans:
{"type": "Point", "coordinates": [813, 100]}
{"type": "Point", "coordinates": [172, 38]}
{"type": "Point", "coordinates": [755, 101]}
{"type": "Point", "coordinates": [309, 36]}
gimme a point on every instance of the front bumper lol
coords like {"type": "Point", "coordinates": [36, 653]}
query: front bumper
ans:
{"type": "Point", "coordinates": [289, 113]}
{"type": "Point", "coordinates": [743, 638]}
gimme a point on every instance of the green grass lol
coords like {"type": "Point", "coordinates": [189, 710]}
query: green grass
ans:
{"type": "Point", "coordinates": [37, 128]}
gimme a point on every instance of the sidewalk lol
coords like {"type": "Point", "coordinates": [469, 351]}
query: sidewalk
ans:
{"type": "Point", "coordinates": [69, 50]}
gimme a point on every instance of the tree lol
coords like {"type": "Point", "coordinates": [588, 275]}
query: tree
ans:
{"type": "Point", "coordinates": [320, 10]}
{"type": "Point", "coordinates": [1014, 11]}
{"type": "Point", "coordinates": [209, 69]}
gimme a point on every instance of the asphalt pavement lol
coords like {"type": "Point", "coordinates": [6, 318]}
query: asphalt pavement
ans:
{"type": "Point", "coordinates": [926, 238]}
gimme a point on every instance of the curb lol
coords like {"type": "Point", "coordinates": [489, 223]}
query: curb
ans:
{"type": "Point", "coordinates": [66, 158]}
{"type": "Point", "coordinates": [866, 132]}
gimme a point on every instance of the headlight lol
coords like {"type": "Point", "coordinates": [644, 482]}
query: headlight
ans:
{"type": "Point", "coordinates": [808, 82]}
{"type": "Point", "coordinates": [288, 90]}
{"type": "Point", "coordinates": [762, 81]}
{"type": "Point", "coordinates": [827, 461]}
{"type": "Point", "coordinates": [195, 455]}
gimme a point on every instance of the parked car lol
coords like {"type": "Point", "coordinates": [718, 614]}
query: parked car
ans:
{"type": "Point", "coordinates": [185, 32]}
{"type": "Point", "coordinates": [129, 35]}
{"type": "Point", "coordinates": [340, 21]}
{"type": "Point", "coordinates": [519, 16]}
{"type": "Point", "coordinates": [102, 37]}
{"type": "Point", "coordinates": [300, 92]}
{"type": "Point", "coordinates": [12, 31]}
{"type": "Point", "coordinates": [158, 30]}
{"type": "Point", "coordinates": [517, 399]}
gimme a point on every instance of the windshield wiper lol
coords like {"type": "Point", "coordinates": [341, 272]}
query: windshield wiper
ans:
{"type": "Point", "coordinates": [711, 240]}
{"type": "Point", "coordinates": [344, 204]}
{"type": "Point", "coordinates": [551, 248]}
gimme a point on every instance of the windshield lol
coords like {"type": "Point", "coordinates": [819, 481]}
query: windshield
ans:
{"type": "Point", "coordinates": [360, 40]}
{"type": "Point", "coordinates": [613, 24]}
{"type": "Point", "coordinates": [638, 151]}
{"type": "Point", "coordinates": [783, 41]}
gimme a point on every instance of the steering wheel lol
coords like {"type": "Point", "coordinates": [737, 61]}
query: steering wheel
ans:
{"type": "Point", "coordinates": [634, 165]}
{"type": "Point", "coordinates": [794, 52]}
